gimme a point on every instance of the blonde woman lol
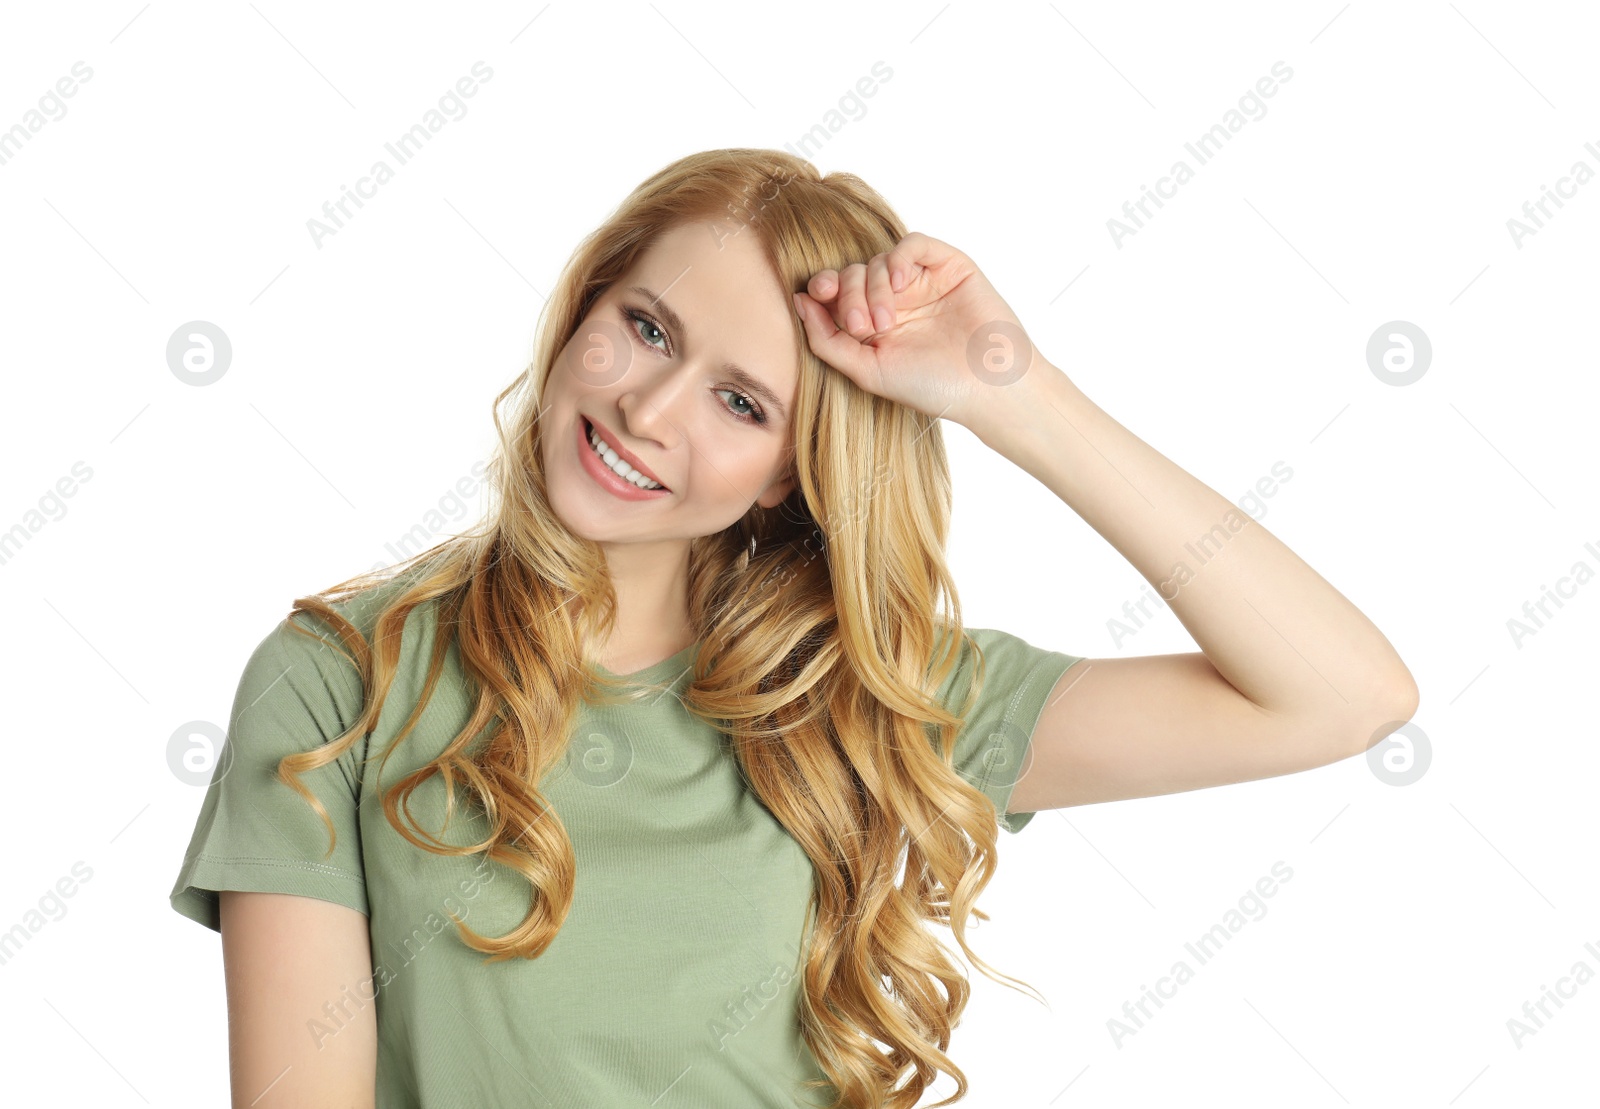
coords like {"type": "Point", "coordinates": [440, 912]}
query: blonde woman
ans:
{"type": "Point", "coordinates": [642, 792]}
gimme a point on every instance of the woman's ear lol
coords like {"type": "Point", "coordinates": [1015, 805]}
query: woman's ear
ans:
{"type": "Point", "coordinates": [775, 494]}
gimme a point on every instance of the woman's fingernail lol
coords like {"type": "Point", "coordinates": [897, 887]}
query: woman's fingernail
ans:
{"type": "Point", "coordinates": [799, 309]}
{"type": "Point", "coordinates": [880, 317]}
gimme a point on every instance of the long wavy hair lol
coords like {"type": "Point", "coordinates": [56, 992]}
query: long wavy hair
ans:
{"type": "Point", "coordinates": [821, 648]}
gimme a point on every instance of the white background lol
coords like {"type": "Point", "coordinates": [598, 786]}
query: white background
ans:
{"type": "Point", "coordinates": [1230, 333]}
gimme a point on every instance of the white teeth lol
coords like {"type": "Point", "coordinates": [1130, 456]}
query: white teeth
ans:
{"type": "Point", "coordinates": [614, 461]}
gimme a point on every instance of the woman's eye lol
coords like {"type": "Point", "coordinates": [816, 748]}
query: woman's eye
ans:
{"type": "Point", "coordinates": [637, 319]}
{"type": "Point", "coordinates": [752, 414]}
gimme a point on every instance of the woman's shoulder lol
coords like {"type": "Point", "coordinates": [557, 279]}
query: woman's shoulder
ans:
{"type": "Point", "coordinates": [362, 607]}
{"type": "Point", "coordinates": [306, 638]}
{"type": "Point", "coordinates": [1005, 659]}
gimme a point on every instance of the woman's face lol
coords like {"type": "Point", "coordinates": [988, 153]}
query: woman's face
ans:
{"type": "Point", "coordinates": [655, 369]}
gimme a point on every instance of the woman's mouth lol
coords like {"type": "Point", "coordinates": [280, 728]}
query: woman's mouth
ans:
{"type": "Point", "coordinates": [610, 470]}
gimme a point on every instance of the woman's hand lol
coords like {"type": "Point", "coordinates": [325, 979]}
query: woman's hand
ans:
{"type": "Point", "coordinates": [922, 326]}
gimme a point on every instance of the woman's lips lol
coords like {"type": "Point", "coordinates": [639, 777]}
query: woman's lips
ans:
{"type": "Point", "coordinates": [587, 427]}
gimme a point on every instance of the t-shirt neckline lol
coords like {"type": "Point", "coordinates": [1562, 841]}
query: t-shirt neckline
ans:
{"type": "Point", "coordinates": [658, 670]}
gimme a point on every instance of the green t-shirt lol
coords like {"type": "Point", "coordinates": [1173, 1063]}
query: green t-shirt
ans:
{"type": "Point", "coordinates": [675, 978]}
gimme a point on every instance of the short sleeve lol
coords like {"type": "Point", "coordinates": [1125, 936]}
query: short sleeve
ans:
{"type": "Point", "coordinates": [992, 745]}
{"type": "Point", "coordinates": [255, 833]}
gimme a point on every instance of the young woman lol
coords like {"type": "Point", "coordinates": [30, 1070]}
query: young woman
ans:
{"type": "Point", "coordinates": [643, 792]}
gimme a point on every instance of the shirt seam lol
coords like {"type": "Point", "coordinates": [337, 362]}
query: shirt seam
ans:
{"type": "Point", "coordinates": [251, 860]}
{"type": "Point", "coordinates": [1012, 704]}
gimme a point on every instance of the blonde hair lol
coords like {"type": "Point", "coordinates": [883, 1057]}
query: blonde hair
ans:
{"type": "Point", "coordinates": [817, 629]}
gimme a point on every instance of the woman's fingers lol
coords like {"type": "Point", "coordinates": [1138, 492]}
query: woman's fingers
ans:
{"type": "Point", "coordinates": [917, 250]}
{"type": "Point", "coordinates": [835, 347]}
{"type": "Point", "coordinates": [879, 295]}
{"type": "Point", "coordinates": [866, 302]}
{"type": "Point", "coordinates": [852, 311]}
{"type": "Point", "coordinates": [823, 285]}
{"type": "Point", "coordinates": [861, 297]}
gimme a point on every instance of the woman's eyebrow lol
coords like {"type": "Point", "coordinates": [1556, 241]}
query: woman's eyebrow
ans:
{"type": "Point", "coordinates": [746, 380]}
